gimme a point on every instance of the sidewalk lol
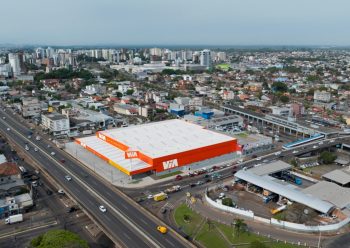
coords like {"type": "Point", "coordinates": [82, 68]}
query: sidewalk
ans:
{"type": "Point", "coordinates": [259, 228]}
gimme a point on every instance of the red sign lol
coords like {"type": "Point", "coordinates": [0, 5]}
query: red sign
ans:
{"type": "Point", "coordinates": [131, 154]}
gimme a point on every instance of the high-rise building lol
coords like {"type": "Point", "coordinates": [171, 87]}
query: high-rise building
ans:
{"type": "Point", "coordinates": [205, 58]}
{"type": "Point", "coordinates": [15, 64]}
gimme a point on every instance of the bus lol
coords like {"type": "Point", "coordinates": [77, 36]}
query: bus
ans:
{"type": "Point", "coordinates": [301, 142]}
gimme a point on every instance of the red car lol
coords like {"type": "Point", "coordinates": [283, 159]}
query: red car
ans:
{"type": "Point", "coordinates": [63, 161]}
{"type": "Point", "coordinates": [178, 178]}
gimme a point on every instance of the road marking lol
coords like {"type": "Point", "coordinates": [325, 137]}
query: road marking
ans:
{"type": "Point", "coordinates": [170, 242]}
{"type": "Point", "coordinates": [122, 216]}
{"type": "Point", "coordinates": [144, 221]}
{"type": "Point", "coordinates": [27, 230]}
{"type": "Point", "coordinates": [127, 236]}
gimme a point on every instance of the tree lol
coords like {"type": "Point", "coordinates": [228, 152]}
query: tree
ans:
{"type": "Point", "coordinates": [239, 226]}
{"type": "Point", "coordinates": [129, 92]}
{"type": "Point", "coordinates": [227, 202]}
{"type": "Point", "coordinates": [58, 239]}
{"type": "Point", "coordinates": [284, 99]}
{"type": "Point", "coordinates": [257, 244]}
{"type": "Point", "coordinates": [279, 87]}
{"type": "Point", "coordinates": [327, 157]}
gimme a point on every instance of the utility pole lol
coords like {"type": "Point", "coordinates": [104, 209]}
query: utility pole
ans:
{"type": "Point", "coordinates": [319, 241]}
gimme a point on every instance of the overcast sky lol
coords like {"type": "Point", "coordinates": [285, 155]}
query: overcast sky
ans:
{"type": "Point", "coordinates": [184, 22]}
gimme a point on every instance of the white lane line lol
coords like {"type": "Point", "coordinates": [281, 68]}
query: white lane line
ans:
{"type": "Point", "coordinates": [168, 241]}
{"type": "Point", "coordinates": [121, 215]}
{"type": "Point", "coordinates": [144, 221]}
{"type": "Point", "coordinates": [127, 236]}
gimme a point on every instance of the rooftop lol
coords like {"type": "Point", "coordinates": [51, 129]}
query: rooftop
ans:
{"type": "Point", "coordinates": [288, 191]}
{"type": "Point", "coordinates": [270, 168]}
{"type": "Point", "coordinates": [9, 169]}
{"type": "Point", "coordinates": [331, 192]}
{"type": "Point", "coordinates": [163, 138]}
{"type": "Point", "coordinates": [112, 153]}
{"type": "Point", "coordinates": [339, 176]}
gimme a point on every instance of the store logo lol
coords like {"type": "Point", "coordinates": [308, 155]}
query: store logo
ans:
{"type": "Point", "coordinates": [131, 154]}
{"type": "Point", "coordinates": [170, 164]}
{"type": "Point", "coordinates": [101, 136]}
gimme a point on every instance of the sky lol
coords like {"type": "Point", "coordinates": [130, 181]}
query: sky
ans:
{"type": "Point", "coordinates": [175, 22]}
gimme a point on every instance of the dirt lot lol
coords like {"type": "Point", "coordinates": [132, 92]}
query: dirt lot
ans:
{"type": "Point", "coordinates": [318, 171]}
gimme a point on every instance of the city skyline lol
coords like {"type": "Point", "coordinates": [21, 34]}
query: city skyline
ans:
{"type": "Point", "coordinates": [220, 23]}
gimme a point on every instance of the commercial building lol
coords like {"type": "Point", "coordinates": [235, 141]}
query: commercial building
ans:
{"type": "Point", "coordinates": [31, 107]}
{"type": "Point", "coordinates": [158, 146]}
{"type": "Point", "coordinates": [322, 96]}
{"type": "Point", "coordinates": [261, 177]}
{"type": "Point", "coordinates": [57, 124]}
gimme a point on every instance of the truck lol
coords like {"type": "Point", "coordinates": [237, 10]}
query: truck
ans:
{"type": "Point", "coordinates": [14, 219]}
{"type": "Point", "coordinates": [279, 209]}
{"type": "Point", "coordinates": [173, 189]}
{"type": "Point", "coordinates": [160, 197]}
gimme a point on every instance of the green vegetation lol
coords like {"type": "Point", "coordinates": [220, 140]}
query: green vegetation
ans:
{"type": "Point", "coordinates": [212, 234]}
{"type": "Point", "coordinates": [170, 174]}
{"type": "Point", "coordinates": [64, 74]}
{"type": "Point", "coordinates": [327, 157]}
{"type": "Point", "coordinates": [190, 226]}
{"type": "Point", "coordinates": [279, 87]}
{"type": "Point", "coordinates": [172, 72]}
{"type": "Point", "coordinates": [224, 67]}
{"type": "Point", "coordinates": [58, 239]}
{"type": "Point", "coordinates": [227, 202]}
{"type": "Point", "coordinates": [284, 99]}
{"type": "Point", "coordinates": [312, 78]}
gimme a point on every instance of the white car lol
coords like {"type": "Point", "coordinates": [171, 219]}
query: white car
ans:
{"type": "Point", "coordinates": [53, 153]}
{"type": "Point", "coordinates": [8, 129]}
{"type": "Point", "coordinates": [321, 143]}
{"type": "Point", "coordinates": [67, 177]}
{"type": "Point", "coordinates": [29, 136]}
{"type": "Point", "coordinates": [257, 159]}
{"type": "Point", "coordinates": [26, 148]}
{"type": "Point", "coordinates": [222, 195]}
{"type": "Point", "coordinates": [150, 197]}
{"type": "Point", "coordinates": [60, 191]}
{"type": "Point", "coordinates": [314, 147]}
{"type": "Point", "coordinates": [331, 141]}
{"type": "Point", "coordinates": [277, 153]}
{"type": "Point", "coordinates": [35, 149]}
{"type": "Point", "coordinates": [48, 146]}
{"type": "Point", "coordinates": [102, 209]}
{"type": "Point", "coordinates": [4, 117]}
{"type": "Point", "coordinates": [295, 151]}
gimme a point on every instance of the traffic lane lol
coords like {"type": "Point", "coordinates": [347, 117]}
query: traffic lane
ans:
{"type": "Point", "coordinates": [131, 212]}
{"type": "Point", "coordinates": [88, 201]}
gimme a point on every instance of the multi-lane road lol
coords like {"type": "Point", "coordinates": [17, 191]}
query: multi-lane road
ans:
{"type": "Point", "coordinates": [124, 222]}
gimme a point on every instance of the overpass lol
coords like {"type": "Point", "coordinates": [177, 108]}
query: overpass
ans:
{"type": "Point", "coordinates": [280, 123]}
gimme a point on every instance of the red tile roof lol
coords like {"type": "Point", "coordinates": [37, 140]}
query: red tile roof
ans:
{"type": "Point", "coordinates": [9, 169]}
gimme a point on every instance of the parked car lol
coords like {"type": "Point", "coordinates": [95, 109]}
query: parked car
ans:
{"type": "Point", "coordinates": [178, 178]}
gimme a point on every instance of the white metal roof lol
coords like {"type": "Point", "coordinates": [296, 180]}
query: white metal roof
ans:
{"type": "Point", "coordinates": [163, 138]}
{"type": "Point", "coordinates": [339, 176]}
{"type": "Point", "coordinates": [331, 192]}
{"type": "Point", "coordinates": [270, 168]}
{"type": "Point", "coordinates": [113, 153]}
{"type": "Point", "coordinates": [266, 182]}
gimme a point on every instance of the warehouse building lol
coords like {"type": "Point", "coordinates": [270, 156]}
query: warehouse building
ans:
{"type": "Point", "coordinates": [159, 146]}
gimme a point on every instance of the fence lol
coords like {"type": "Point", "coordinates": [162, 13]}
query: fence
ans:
{"type": "Point", "coordinates": [279, 223]}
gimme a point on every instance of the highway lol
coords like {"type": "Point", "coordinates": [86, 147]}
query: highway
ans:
{"type": "Point", "coordinates": [124, 222]}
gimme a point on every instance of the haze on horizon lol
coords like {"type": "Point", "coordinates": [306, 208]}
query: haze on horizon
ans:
{"type": "Point", "coordinates": [180, 22]}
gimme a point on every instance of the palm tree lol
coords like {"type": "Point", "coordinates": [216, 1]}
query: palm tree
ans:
{"type": "Point", "coordinates": [239, 226]}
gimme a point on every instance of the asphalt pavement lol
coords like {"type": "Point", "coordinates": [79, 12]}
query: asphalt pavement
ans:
{"type": "Point", "coordinates": [124, 222]}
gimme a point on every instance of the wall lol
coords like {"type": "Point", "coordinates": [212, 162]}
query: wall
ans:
{"type": "Point", "coordinates": [278, 223]}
